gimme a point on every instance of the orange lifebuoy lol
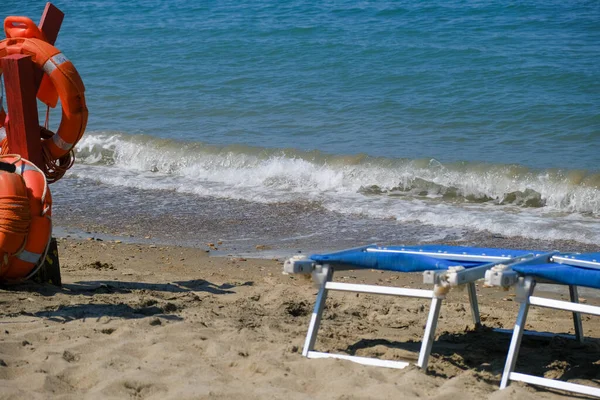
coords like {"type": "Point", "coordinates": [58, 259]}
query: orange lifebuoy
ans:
{"type": "Point", "coordinates": [68, 84]}
{"type": "Point", "coordinates": [23, 27]}
{"type": "Point", "coordinates": [25, 218]}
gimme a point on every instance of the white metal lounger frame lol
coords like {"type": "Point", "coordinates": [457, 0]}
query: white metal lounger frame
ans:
{"type": "Point", "coordinates": [440, 278]}
{"type": "Point", "coordinates": [525, 286]}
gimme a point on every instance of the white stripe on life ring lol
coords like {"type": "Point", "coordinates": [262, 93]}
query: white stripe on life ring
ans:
{"type": "Point", "coordinates": [25, 167]}
{"type": "Point", "coordinates": [59, 142]}
{"type": "Point", "coordinates": [53, 62]}
{"type": "Point", "coordinates": [29, 257]}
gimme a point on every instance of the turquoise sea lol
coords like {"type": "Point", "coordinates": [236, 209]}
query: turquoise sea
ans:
{"type": "Point", "coordinates": [341, 121]}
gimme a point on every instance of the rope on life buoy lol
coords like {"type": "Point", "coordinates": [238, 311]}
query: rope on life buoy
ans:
{"type": "Point", "coordinates": [15, 216]}
{"type": "Point", "coordinates": [54, 169]}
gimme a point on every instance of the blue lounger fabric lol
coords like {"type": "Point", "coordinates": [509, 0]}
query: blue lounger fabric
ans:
{"type": "Point", "coordinates": [562, 273]}
{"type": "Point", "coordinates": [594, 257]}
{"type": "Point", "coordinates": [467, 250]}
{"type": "Point", "coordinates": [386, 261]}
{"type": "Point", "coordinates": [402, 262]}
{"type": "Point", "coordinates": [592, 260]}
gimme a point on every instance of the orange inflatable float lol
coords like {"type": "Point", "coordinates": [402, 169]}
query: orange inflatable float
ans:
{"type": "Point", "coordinates": [23, 27]}
{"type": "Point", "coordinates": [69, 87]}
{"type": "Point", "coordinates": [25, 218]}
{"type": "Point", "coordinates": [17, 26]}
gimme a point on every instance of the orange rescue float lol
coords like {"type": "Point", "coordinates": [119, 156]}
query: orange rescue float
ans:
{"type": "Point", "coordinates": [25, 218]}
{"type": "Point", "coordinates": [67, 82]}
{"type": "Point", "coordinates": [18, 26]}
{"type": "Point", "coordinates": [23, 27]}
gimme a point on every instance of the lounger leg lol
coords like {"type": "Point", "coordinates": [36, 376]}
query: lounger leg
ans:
{"type": "Point", "coordinates": [515, 343]}
{"type": "Point", "coordinates": [429, 336]}
{"type": "Point", "coordinates": [315, 319]}
{"type": "Point", "coordinates": [474, 306]}
{"type": "Point", "coordinates": [576, 316]}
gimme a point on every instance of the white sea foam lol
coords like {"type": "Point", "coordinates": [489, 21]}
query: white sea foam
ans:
{"type": "Point", "coordinates": [508, 200]}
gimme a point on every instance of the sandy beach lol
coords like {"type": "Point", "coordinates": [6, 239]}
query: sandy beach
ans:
{"type": "Point", "coordinates": [166, 322]}
{"type": "Point", "coordinates": [213, 140]}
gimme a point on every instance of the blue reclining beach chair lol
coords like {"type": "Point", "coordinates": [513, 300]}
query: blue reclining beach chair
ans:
{"type": "Point", "coordinates": [564, 269]}
{"type": "Point", "coordinates": [443, 266]}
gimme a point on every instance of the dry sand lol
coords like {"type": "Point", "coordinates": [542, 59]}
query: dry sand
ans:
{"type": "Point", "coordinates": [153, 322]}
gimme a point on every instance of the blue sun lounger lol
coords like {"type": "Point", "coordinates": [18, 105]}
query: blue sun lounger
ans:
{"type": "Point", "coordinates": [442, 266]}
{"type": "Point", "coordinates": [564, 269]}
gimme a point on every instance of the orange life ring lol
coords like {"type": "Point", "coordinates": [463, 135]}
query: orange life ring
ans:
{"type": "Point", "coordinates": [68, 84]}
{"type": "Point", "coordinates": [23, 27]}
{"type": "Point", "coordinates": [17, 26]}
{"type": "Point", "coordinates": [25, 219]}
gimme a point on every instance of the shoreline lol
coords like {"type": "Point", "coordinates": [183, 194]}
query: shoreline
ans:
{"type": "Point", "coordinates": [153, 321]}
{"type": "Point", "coordinates": [171, 217]}
{"type": "Point", "coordinates": [256, 248]}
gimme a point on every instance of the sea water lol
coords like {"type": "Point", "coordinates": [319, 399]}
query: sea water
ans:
{"type": "Point", "coordinates": [342, 121]}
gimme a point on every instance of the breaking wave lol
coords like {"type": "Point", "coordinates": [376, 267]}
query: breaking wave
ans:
{"type": "Point", "coordinates": [510, 200]}
{"type": "Point", "coordinates": [261, 174]}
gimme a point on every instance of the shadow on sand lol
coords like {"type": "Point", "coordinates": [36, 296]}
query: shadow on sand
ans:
{"type": "Point", "coordinates": [90, 288]}
{"type": "Point", "coordinates": [484, 350]}
{"type": "Point", "coordinates": [109, 307]}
